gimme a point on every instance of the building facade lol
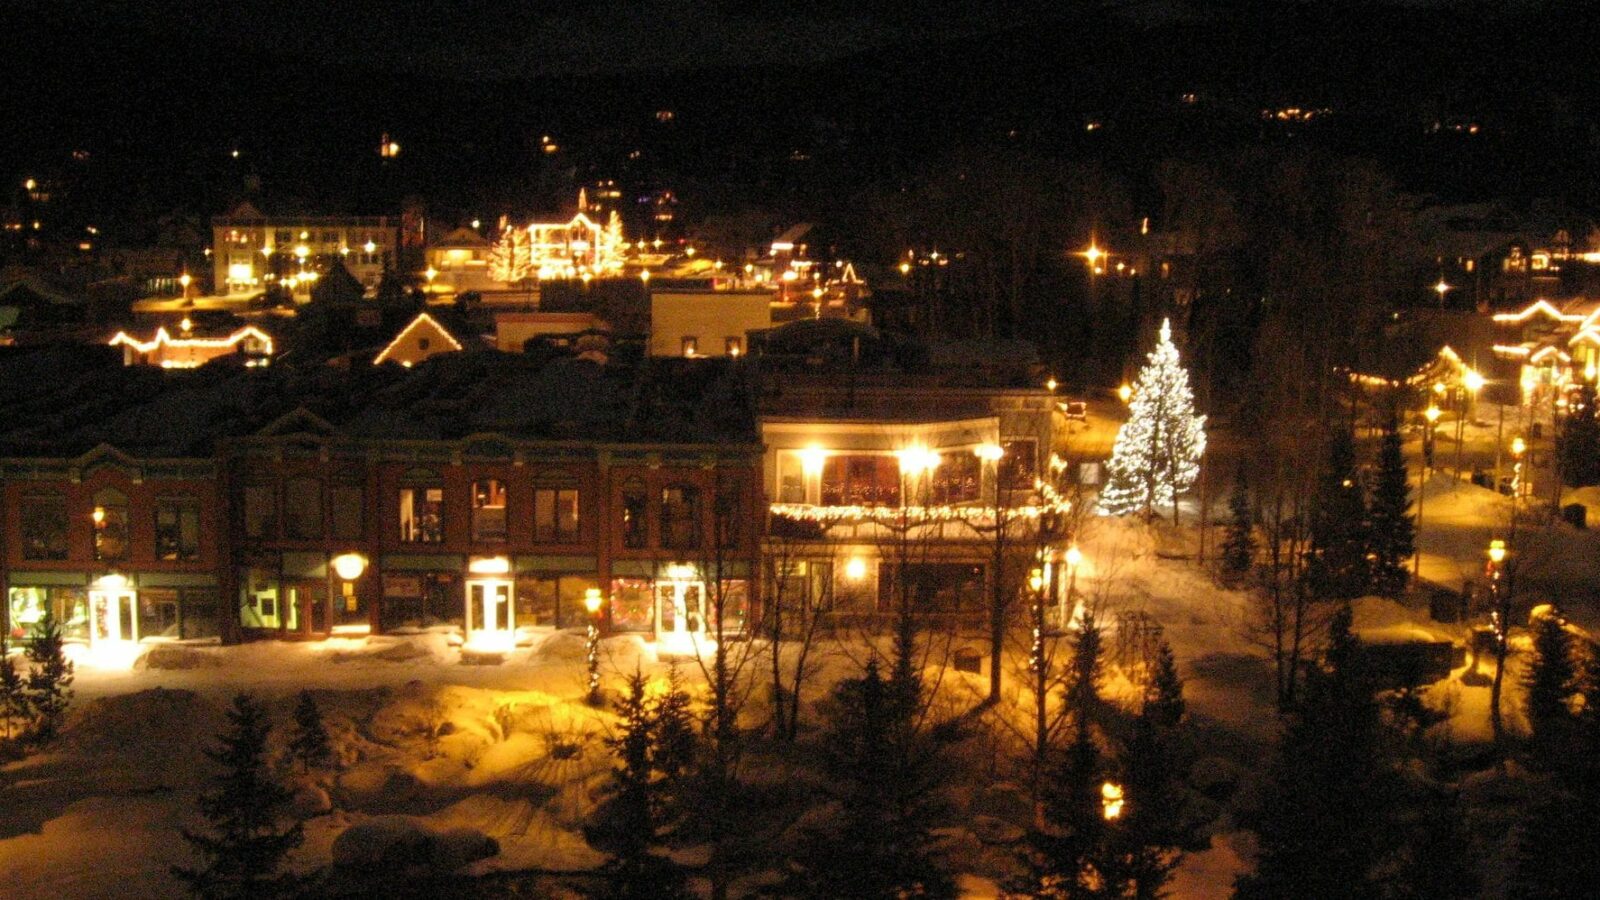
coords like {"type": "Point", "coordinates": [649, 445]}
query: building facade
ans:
{"type": "Point", "coordinates": [250, 251]}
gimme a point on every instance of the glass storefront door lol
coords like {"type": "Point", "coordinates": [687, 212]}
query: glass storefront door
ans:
{"type": "Point", "coordinates": [490, 615]}
{"type": "Point", "coordinates": [680, 614]}
{"type": "Point", "coordinates": [113, 617]}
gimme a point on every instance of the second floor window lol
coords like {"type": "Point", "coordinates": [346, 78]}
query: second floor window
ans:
{"type": "Point", "coordinates": [260, 511]}
{"type": "Point", "coordinates": [635, 527]}
{"type": "Point", "coordinates": [422, 515]}
{"type": "Point", "coordinates": [302, 509]}
{"type": "Point", "coordinates": [555, 515]}
{"type": "Point", "coordinates": [347, 506]}
{"type": "Point", "coordinates": [1019, 467]}
{"type": "Point", "coordinates": [44, 527]}
{"type": "Point", "coordinates": [110, 525]}
{"type": "Point", "coordinates": [177, 529]}
{"type": "Point", "coordinates": [488, 509]}
{"type": "Point", "coordinates": [861, 481]}
{"type": "Point", "coordinates": [957, 479]}
{"type": "Point", "coordinates": [680, 517]}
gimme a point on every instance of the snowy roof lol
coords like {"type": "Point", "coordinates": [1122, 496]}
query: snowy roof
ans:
{"type": "Point", "coordinates": [61, 411]}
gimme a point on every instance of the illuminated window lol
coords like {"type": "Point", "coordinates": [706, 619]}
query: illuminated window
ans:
{"type": "Point", "coordinates": [110, 525]}
{"type": "Point", "coordinates": [691, 345]}
{"type": "Point", "coordinates": [44, 527]}
{"type": "Point", "coordinates": [680, 517]}
{"type": "Point", "coordinates": [861, 481]}
{"type": "Point", "coordinates": [422, 509]}
{"type": "Point", "coordinates": [177, 529]}
{"type": "Point", "coordinates": [958, 479]}
{"type": "Point", "coordinates": [488, 509]}
{"type": "Point", "coordinates": [733, 346]}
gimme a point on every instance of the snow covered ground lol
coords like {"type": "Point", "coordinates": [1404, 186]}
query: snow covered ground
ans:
{"type": "Point", "coordinates": [511, 752]}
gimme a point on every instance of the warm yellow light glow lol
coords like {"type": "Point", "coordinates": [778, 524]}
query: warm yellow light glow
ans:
{"type": "Point", "coordinates": [99, 515]}
{"type": "Point", "coordinates": [644, 275]}
{"type": "Point", "coordinates": [1431, 414]}
{"type": "Point", "coordinates": [185, 280]}
{"type": "Point", "coordinates": [905, 268]}
{"type": "Point", "coordinates": [349, 566]}
{"type": "Point", "coordinates": [1125, 392]}
{"type": "Point", "coordinates": [1036, 580]}
{"type": "Point", "coordinates": [917, 460]}
{"type": "Point", "coordinates": [1473, 380]}
{"type": "Point", "coordinates": [680, 572]}
{"type": "Point", "coordinates": [185, 326]}
{"type": "Point", "coordinates": [1074, 556]}
{"type": "Point", "coordinates": [489, 565]}
{"type": "Point", "coordinates": [431, 274]}
{"type": "Point", "coordinates": [1441, 288]}
{"type": "Point", "coordinates": [1518, 446]}
{"type": "Point", "coordinates": [591, 600]}
{"type": "Point", "coordinates": [855, 568]}
{"type": "Point", "coordinates": [812, 459]}
{"type": "Point", "coordinates": [1093, 254]}
{"type": "Point", "coordinates": [989, 452]}
{"type": "Point", "coordinates": [302, 251]}
{"type": "Point", "coordinates": [164, 338]}
{"type": "Point", "coordinates": [369, 247]}
{"type": "Point", "coordinates": [113, 581]}
{"type": "Point", "coordinates": [384, 356]}
{"type": "Point", "coordinates": [1497, 551]}
{"type": "Point", "coordinates": [1438, 387]}
{"type": "Point", "coordinates": [1111, 799]}
{"type": "Point", "coordinates": [1051, 384]}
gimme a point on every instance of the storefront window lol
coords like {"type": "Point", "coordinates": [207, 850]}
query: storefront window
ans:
{"type": "Point", "coordinates": [44, 527]}
{"type": "Point", "coordinates": [177, 529]}
{"type": "Point", "coordinates": [26, 607]}
{"type": "Point", "coordinates": [302, 509]}
{"type": "Point", "coordinates": [420, 600]}
{"type": "Point", "coordinates": [553, 600]}
{"type": "Point", "coordinates": [958, 479]}
{"type": "Point", "coordinates": [110, 525]}
{"type": "Point", "coordinates": [932, 587]}
{"type": "Point", "coordinates": [259, 600]}
{"type": "Point", "coordinates": [632, 601]}
{"type": "Point", "coordinates": [489, 510]}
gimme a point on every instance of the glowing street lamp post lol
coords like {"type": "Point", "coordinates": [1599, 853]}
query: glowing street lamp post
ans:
{"type": "Point", "coordinates": [1500, 622]}
{"type": "Point", "coordinates": [1432, 415]}
{"type": "Point", "coordinates": [591, 602]}
{"type": "Point", "coordinates": [1074, 557]}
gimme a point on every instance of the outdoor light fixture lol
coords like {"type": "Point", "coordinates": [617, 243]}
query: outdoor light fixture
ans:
{"type": "Point", "coordinates": [1125, 392]}
{"type": "Point", "coordinates": [1431, 414]}
{"type": "Point", "coordinates": [591, 602]}
{"type": "Point", "coordinates": [349, 566]}
{"type": "Point", "coordinates": [1518, 446]}
{"type": "Point", "coordinates": [812, 459]}
{"type": "Point", "coordinates": [1497, 551]}
{"type": "Point", "coordinates": [855, 568]}
{"type": "Point", "coordinates": [989, 452]}
{"type": "Point", "coordinates": [489, 565]}
{"type": "Point", "coordinates": [1111, 800]}
{"type": "Point", "coordinates": [1473, 380]}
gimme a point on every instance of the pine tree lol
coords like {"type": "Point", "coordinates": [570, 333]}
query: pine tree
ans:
{"type": "Point", "coordinates": [1239, 548]}
{"type": "Point", "coordinates": [16, 707]}
{"type": "Point", "coordinates": [630, 829]}
{"type": "Point", "coordinates": [1336, 567]}
{"type": "Point", "coordinates": [1580, 440]}
{"type": "Point", "coordinates": [1552, 680]}
{"type": "Point", "coordinates": [511, 258]}
{"type": "Point", "coordinates": [1157, 452]}
{"type": "Point", "coordinates": [881, 773]}
{"type": "Point", "coordinates": [1324, 821]}
{"type": "Point", "coordinates": [1391, 536]}
{"type": "Point", "coordinates": [245, 846]}
{"type": "Point", "coordinates": [1555, 848]}
{"type": "Point", "coordinates": [1146, 839]}
{"type": "Point", "coordinates": [676, 743]}
{"type": "Point", "coordinates": [1085, 671]}
{"type": "Point", "coordinates": [50, 682]}
{"type": "Point", "coordinates": [1163, 700]}
{"type": "Point", "coordinates": [308, 743]}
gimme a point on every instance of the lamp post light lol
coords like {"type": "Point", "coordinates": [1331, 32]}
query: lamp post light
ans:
{"type": "Point", "coordinates": [591, 602]}
{"type": "Point", "coordinates": [430, 274]}
{"type": "Point", "coordinates": [1074, 557]}
{"type": "Point", "coordinates": [1432, 416]}
{"type": "Point", "coordinates": [1441, 288]}
{"type": "Point", "coordinates": [184, 281]}
{"type": "Point", "coordinates": [1500, 623]}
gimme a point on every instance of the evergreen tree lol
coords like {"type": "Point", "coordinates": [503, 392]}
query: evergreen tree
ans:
{"type": "Point", "coordinates": [1163, 700]}
{"type": "Point", "coordinates": [675, 740]}
{"type": "Point", "coordinates": [1391, 535]}
{"type": "Point", "coordinates": [308, 743]}
{"type": "Point", "coordinates": [1157, 453]}
{"type": "Point", "coordinates": [1580, 440]}
{"type": "Point", "coordinates": [1239, 547]}
{"type": "Point", "coordinates": [50, 681]}
{"type": "Point", "coordinates": [245, 846]}
{"type": "Point", "coordinates": [630, 829]}
{"type": "Point", "coordinates": [1146, 839]}
{"type": "Point", "coordinates": [1552, 680]}
{"type": "Point", "coordinates": [1555, 850]}
{"type": "Point", "coordinates": [16, 707]}
{"type": "Point", "coordinates": [1085, 670]}
{"type": "Point", "coordinates": [1324, 823]}
{"type": "Point", "coordinates": [881, 772]}
{"type": "Point", "coordinates": [1336, 566]}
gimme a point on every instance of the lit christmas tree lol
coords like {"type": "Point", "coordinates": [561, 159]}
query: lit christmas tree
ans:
{"type": "Point", "coordinates": [1157, 453]}
{"type": "Point", "coordinates": [511, 257]}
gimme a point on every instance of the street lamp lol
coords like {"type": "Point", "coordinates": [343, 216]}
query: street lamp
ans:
{"type": "Point", "coordinates": [1125, 393]}
{"type": "Point", "coordinates": [431, 274]}
{"type": "Point", "coordinates": [1074, 557]}
{"type": "Point", "coordinates": [1111, 800]}
{"type": "Point", "coordinates": [591, 602]}
{"type": "Point", "coordinates": [1499, 621]}
{"type": "Point", "coordinates": [1441, 288]}
{"type": "Point", "coordinates": [185, 280]}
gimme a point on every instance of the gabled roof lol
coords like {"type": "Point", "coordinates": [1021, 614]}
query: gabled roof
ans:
{"type": "Point", "coordinates": [297, 421]}
{"type": "Point", "coordinates": [462, 237]}
{"type": "Point", "coordinates": [423, 322]}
